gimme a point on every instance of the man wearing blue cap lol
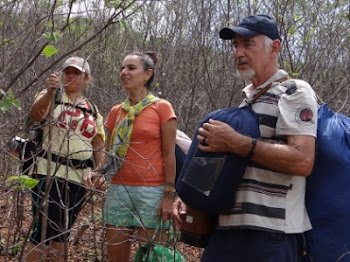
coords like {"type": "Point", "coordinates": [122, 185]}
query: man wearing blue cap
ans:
{"type": "Point", "coordinates": [268, 217]}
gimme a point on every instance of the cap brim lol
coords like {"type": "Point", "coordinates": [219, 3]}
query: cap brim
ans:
{"type": "Point", "coordinates": [228, 33]}
{"type": "Point", "coordinates": [75, 66]}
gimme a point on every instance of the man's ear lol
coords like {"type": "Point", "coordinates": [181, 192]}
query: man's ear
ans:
{"type": "Point", "coordinates": [276, 46]}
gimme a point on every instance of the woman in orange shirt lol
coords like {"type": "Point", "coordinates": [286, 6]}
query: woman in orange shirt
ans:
{"type": "Point", "coordinates": [141, 142]}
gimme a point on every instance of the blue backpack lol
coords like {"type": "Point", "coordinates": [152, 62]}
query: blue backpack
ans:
{"type": "Point", "coordinates": [180, 158]}
{"type": "Point", "coordinates": [328, 190]}
{"type": "Point", "coordinates": [216, 194]}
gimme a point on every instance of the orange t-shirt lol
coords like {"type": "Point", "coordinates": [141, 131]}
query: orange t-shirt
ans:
{"type": "Point", "coordinates": [143, 163]}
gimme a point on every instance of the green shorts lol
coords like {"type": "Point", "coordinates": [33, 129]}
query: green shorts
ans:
{"type": "Point", "coordinates": [133, 206]}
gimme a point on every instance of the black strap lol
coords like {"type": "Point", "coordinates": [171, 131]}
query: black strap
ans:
{"type": "Point", "coordinates": [92, 111]}
{"type": "Point", "coordinates": [83, 109]}
{"type": "Point", "coordinates": [75, 163]}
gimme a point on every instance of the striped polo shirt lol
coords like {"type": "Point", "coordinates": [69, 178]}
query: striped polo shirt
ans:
{"type": "Point", "coordinates": [268, 200]}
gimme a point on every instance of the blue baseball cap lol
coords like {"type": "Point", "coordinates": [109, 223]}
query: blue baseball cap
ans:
{"type": "Point", "coordinates": [252, 26]}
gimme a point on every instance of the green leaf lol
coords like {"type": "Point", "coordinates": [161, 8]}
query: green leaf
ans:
{"type": "Point", "coordinates": [112, 3]}
{"type": "Point", "coordinates": [47, 35]}
{"type": "Point", "coordinates": [16, 103]}
{"type": "Point", "coordinates": [24, 178]}
{"type": "Point", "coordinates": [17, 188]}
{"type": "Point", "coordinates": [55, 36]}
{"type": "Point", "coordinates": [30, 183]}
{"type": "Point", "coordinates": [291, 31]}
{"type": "Point", "coordinates": [123, 22]}
{"type": "Point", "coordinates": [52, 37]}
{"type": "Point", "coordinates": [10, 95]}
{"type": "Point", "coordinates": [50, 50]}
{"type": "Point", "coordinates": [1, 23]}
{"type": "Point", "coordinates": [12, 178]}
{"type": "Point", "coordinates": [9, 101]}
{"type": "Point", "coordinates": [49, 24]}
{"type": "Point", "coordinates": [25, 181]}
{"type": "Point", "coordinates": [5, 105]}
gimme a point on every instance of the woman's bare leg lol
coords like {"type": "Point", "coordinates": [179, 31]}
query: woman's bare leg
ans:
{"type": "Point", "coordinates": [118, 243]}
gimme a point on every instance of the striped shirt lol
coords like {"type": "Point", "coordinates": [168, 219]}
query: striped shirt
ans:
{"type": "Point", "coordinates": [268, 200]}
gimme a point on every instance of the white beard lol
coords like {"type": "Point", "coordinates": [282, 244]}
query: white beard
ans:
{"type": "Point", "coordinates": [246, 75]}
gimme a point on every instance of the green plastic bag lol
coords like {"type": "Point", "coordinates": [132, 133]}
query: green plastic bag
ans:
{"type": "Point", "coordinates": [152, 252]}
{"type": "Point", "coordinates": [155, 252]}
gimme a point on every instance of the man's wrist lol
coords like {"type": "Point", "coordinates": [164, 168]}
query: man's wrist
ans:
{"type": "Point", "coordinates": [252, 150]}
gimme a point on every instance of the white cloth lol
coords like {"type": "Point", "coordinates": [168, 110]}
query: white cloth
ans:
{"type": "Point", "coordinates": [183, 141]}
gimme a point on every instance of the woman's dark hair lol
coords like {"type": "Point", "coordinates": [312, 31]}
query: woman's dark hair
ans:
{"type": "Point", "coordinates": [148, 60]}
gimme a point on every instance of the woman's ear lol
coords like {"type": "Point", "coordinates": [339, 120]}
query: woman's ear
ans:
{"type": "Point", "coordinates": [87, 79]}
{"type": "Point", "coordinates": [149, 74]}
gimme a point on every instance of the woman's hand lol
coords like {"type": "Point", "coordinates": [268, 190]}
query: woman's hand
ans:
{"type": "Point", "coordinates": [95, 180]}
{"type": "Point", "coordinates": [52, 83]}
{"type": "Point", "coordinates": [166, 204]}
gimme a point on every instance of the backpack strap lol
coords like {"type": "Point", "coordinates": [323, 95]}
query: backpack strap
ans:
{"type": "Point", "coordinates": [263, 91]}
{"type": "Point", "coordinates": [58, 97]}
{"type": "Point", "coordinates": [93, 108]}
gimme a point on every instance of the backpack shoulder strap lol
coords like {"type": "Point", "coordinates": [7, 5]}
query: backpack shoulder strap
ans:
{"type": "Point", "coordinates": [94, 109]}
{"type": "Point", "coordinates": [58, 98]}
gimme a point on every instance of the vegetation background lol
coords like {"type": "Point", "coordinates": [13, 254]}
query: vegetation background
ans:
{"type": "Point", "coordinates": [194, 72]}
